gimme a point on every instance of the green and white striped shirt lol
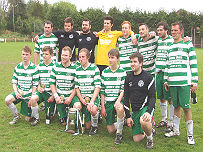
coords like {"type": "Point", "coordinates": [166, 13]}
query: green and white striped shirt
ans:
{"type": "Point", "coordinates": [63, 78]}
{"type": "Point", "coordinates": [148, 50]}
{"type": "Point", "coordinates": [25, 79]}
{"type": "Point", "coordinates": [163, 47]}
{"type": "Point", "coordinates": [87, 79]}
{"type": "Point", "coordinates": [43, 41]}
{"type": "Point", "coordinates": [43, 75]}
{"type": "Point", "coordinates": [112, 83]}
{"type": "Point", "coordinates": [181, 69]}
{"type": "Point", "coordinates": [126, 48]}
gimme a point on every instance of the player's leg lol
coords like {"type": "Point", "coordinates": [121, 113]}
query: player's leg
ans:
{"type": "Point", "coordinates": [120, 123]}
{"type": "Point", "coordinates": [10, 101]}
{"type": "Point", "coordinates": [35, 108]}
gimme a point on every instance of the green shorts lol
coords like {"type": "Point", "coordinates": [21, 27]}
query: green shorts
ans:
{"type": "Point", "coordinates": [180, 96]}
{"type": "Point", "coordinates": [24, 109]}
{"type": "Point", "coordinates": [136, 129]}
{"type": "Point", "coordinates": [62, 108]}
{"type": "Point", "coordinates": [160, 88]}
{"type": "Point", "coordinates": [110, 112]}
{"type": "Point", "coordinates": [44, 96]}
{"type": "Point", "coordinates": [86, 112]}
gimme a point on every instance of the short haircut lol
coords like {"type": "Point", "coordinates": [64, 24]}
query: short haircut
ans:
{"type": "Point", "coordinates": [164, 24]}
{"type": "Point", "coordinates": [87, 21]}
{"type": "Point", "coordinates": [69, 20]}
{"type": "Point", "coordinates": [109, 18]}
{"type": "Point", "coordinates": [47, 48]}
{"type": "Point", "coordinates": [114, 52]}
{"type": "Point", "coordinates": [49, 22]}
{"type": "Point", "coordinates": [137, 55]}
{"type": "Point", "coordinates": [144, 25]}
{"type": "Point", "coordinates": [86, 51]}
{"type": "Point", "coordinates": [180, 25]}
{"type": "Point", "coordinates": [126, 22]}
{"type": "Point", "coordinates": [67, 48]}
{"type": "Point", "coordinates": [27, 49]}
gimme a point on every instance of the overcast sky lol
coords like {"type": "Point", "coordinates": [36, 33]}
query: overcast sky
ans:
{"type": "Point", "coordinates": [133, 5]}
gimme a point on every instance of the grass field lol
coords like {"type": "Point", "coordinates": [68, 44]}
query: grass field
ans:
{"type": "Point", "coordinates": [22, 137]}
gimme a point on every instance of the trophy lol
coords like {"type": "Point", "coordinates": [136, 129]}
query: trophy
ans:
{"type": "Point", "coordinates": [87, 99]}
{"type": "Point", "coordinates": [43, 86]}
{"type": "Point", "coordinates": [62, 98]}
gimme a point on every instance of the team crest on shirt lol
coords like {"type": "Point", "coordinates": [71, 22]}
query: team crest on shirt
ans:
{"type": "Point", "coordinates": [118, 78]}
{"type": "Point", "coordinates": [80, 40]}
{"type": "Point", "coordinates": [110, 35]}
{"type": "Point", "coordinates": [88, 38]}
{"type": "Point", "coordinates": [180, 49]}
{"type": "Point", "coordinates": [141, 83]}
{"type": "Point", "coordinates": [29, 75]}
{"type": "Point", "coordinates": [130, 84]}
{"type": "Point", "coordinates": [62, 35]}
{"type": "Point", "coordinates": [71, 36]}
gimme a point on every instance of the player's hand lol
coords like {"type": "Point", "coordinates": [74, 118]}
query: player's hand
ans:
{"type": "Point", "coordinates": [90, 106]}
{"type": "Point", "coordinates": [51, 99]}
{"type": "Point", "coordinates": [193, 87]}
{"type": "Point", "coordinates": [130, 122]}
{"type": "Point", "coordinates": [29, 103]}
{"type": "Point", "coordinates": [103, 112]}
{"type": "Point", "coordinates": [117, 105]}
{"type": "Point", "coordinates": [134, 39]}
{"type": "Point", "coordinates": [186, 39]}
{"type": "Point", "coordinates": [95, 33]}
{"type": "Point", "coordinates": [18, 95]}
{"type": "Point", "coordinates": [36, 38]}
{"type": "Point", "coordinates": [151, 34]}
{"type": "Point", "coordinates": [41, 90]}
{"type": "Point", "coordinates": [67, 101]}
{"type": "Point", "coordinates": [58, 100]}
{"type": "Point", "coordinates": [146, 117]}
{"type": "Point", "coordinates": [166, 86]}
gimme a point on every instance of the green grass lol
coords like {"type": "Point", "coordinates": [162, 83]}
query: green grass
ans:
{"type": "Point", "coordinates": [22, 137]}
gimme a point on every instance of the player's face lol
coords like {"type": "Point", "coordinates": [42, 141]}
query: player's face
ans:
{"type": "Point", "coordinates": [83, 58]}
{"type": "Point", "coordinates": [135, 65]}
{"type": "Point", "coordinates": [143, 31]}
{"type": "Point", "coordinates": [113, 60]}
{"type": "Point", "coordinates": [107, 25]}
{"type": "Point", "coordinates": [86, 27]}
{"type": "Point", "coordinates": [126, 29]}
{"type": "Point", "coordinates": [65, 56]}
{"type": "Point", "coordinates": [48, 29]}
{"type": "Point", "coordinates": [176, 32]}
{"type": "Point", "coordinates": [25, 56]}
{"type": "Point", "coordinates": [161, 32]}
{"type": "Point", "coordinates": [46, 56]}
{"type": "Point", "coordinates": [68, 27]}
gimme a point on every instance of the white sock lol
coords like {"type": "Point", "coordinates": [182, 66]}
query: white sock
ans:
{"type": "Point", "coordinates": [94, 120]}
{"type": "Point", "coordinates": [170, 114]}
{"type": "Point", "coordinates": [150, 137]}
{"type": "Point", "coordinates": [176, 123]}
{"type": "Point", "coordinates": [120, 123]}
{"type": "Point", "coordinates": [189, 125]}
{"type": "Point", "coordinates": [13, 109]}
{"type": "Point", "coordinates": [35, 112]}
{"type": "Point", "coordinates": [116, 125]}
{"type": "Point", "coordinates": [163, 107]}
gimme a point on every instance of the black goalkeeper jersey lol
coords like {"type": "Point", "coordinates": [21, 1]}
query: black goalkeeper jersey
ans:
{"type": "Point", "coordinates": [87, 41]}
{"type": "Point", "coordinates": [139, 91]}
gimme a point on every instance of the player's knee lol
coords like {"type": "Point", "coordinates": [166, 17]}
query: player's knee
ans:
{"type": "Point", "coordinates": [27, 118]}
{"type": "Point", "coordinates": [77, 105]}
{"type": "Point", "coordinates": [138, 138]}
{"type": "Point", "coordinates": [186, 110]}
{"type": "Point", "coordinates": [8, 100]}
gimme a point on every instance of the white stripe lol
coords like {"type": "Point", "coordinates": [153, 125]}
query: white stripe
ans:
{"type": "Point", "coordinates": [151, 83]}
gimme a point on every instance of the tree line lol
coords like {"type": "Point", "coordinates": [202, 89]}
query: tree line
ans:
{"type": "Point", "coordinates": [28, 18]}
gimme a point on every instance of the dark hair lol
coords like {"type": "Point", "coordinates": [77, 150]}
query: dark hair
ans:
{"type": "Point", "coordinates": [178, 23]}
{"type": "Point", "coordinates": [47, 48]}
{"type": "Point", "coordinates": [114, 52]}
{"type": "Point", "coordinates": [49, 22]}
{"type": "Point", "coordinates": [87, 21]}
{"type": "Point", "coordinates": [69, 20]}
{"type": "Point", "coordinates": [144, 25]}
{"type": "Point", "coordinates": [164, 24]}
{"type": "Point", "coordinates": [137, 55]}
{"type": "Point", "coordinates": [109, 18]}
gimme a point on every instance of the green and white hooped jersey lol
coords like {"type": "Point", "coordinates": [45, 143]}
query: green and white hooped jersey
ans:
{"type": "Point", "coordinates": [43, 41]}
{"type": "Point", "coordinates": [163, 47]}
{"type": "Point", "coordinates": [43, 75]}
{"type": "Point", "coordinates": [126, 48]}
{"type": "Point", "coordinates": [87, 79]}
{"type": "Point", "coordinates": [25, 79]}
{"type": "Point", "coordinates": [63, 78]}
{"type": "Point", "coordinates": [112, 83]}
{"type": "Point", "coordinates": [148, 50]}
{"type": "Point", "coordinates": [181, 69]}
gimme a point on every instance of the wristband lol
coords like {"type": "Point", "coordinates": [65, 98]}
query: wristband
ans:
{"type": "Point", "coordinates": [56, 95]}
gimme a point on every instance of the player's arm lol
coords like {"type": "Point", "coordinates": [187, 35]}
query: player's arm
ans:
{"type": "Point", "coordinates": [95, 94]}
{"type": "Point", "coordinates": [103, 110]}
{"type": "Point", "coordinates": [17, 94]}
{"type": "Point", "coordinates": [80, 96]}
{"type": "Point", "coordinates": [70, 98]}
{"type": "Point", "coordinates": [55, 94]}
